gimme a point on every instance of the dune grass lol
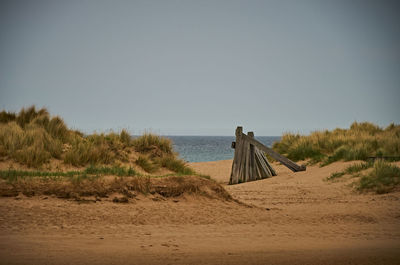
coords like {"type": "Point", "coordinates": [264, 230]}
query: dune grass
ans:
{"type": "Point", "coordinates": [153, 144]}
{"type": "Point", "coordinates": [351, 170]}
{"type": "Point", "coordinates": [79, 184]}
{"type": "Point", "coordinates": [359, 142]}
{"type": "Point", "coordinates": [146, 164]}
{"type": "Point", "coordinates": [175, 165]}
{"type": "Point", "coordinates": [32, 138]}
{"type": "Point", "coordinates": [12, 174]}
{"type": "Point", "coordinates": [75, 186]}
{"type": "Point", "coordinates": [383, 178]}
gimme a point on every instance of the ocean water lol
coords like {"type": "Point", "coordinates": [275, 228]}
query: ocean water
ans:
{"type": "Point", "coordinates": [210, 148]}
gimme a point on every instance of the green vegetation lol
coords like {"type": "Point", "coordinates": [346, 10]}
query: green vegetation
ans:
{"type": "Point", "coordinates": [175, 165]}
{"type": "Point", "coordinates": [351, 170]}
{"type": "Point", "coordinates": [384, 177]}
{"type": "Point", "coordinates": [33, 138]}
{"type": "Point", "coordinates": [153, 144]}
{"type": "Point", "coordinates": [91, 171]}
{"type": "Point", "coordinates": [146, 164]}
{"type": "Point", "coordinates": [78, 184]}
{"type": "Point", "coordinates": [358, 167]}
{"type": "Point", "coordinates": [357, 143]}
{"type": "Point", "coordinates": [114, 171]}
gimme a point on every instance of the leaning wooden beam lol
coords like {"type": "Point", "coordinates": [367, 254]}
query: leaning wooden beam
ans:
{"type": "Point", "coordinates": [264, 171]}
{"type": "Point", "coordinates": [283, 160]}
{"type": "Point", "coordinates": [264, 166]}
{"type": "Point", "coordinates": [270, 168]}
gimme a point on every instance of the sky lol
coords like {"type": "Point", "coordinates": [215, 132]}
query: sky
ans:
{"type": "Point", "coordinates": [203, 67]}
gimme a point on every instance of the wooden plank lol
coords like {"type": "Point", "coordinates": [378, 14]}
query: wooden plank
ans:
{"type": "Point", "coordinates": [235, 164]}
{"type": "Point", "coordinates": [262, 167]}
{"type": "Point", "coordinates": [252, 169]}
{"type": "Point", "coordinates": [247, 163]}
{"type": "Point", "coordinates": [243, 161]}
{"type": "Point", "coordinates": [261, 170]}
{"type": "Point", "coordinates": [238, 133]}
{"type": "Point", "coordinates": [283, 160]}
{"type": "Point", "coordinates": [271, 169]}
{"type": "Point", "coordinates": [258, 172]}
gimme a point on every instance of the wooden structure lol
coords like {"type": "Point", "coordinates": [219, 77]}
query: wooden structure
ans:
{"type": "Point", "coordinates": [250, 162]}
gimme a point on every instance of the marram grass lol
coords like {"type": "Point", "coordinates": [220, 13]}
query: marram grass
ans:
{"type": "Point", "coordinates": [359, 142]}
{"type": "Point", "coordinates": [32, 137]}
{"type": "Point", "coordinates": [383, 177]}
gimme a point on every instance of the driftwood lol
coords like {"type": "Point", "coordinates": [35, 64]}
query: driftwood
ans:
{"type": "Point", "coordinates": [250, 162]}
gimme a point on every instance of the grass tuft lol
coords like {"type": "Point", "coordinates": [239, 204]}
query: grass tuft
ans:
{"type": "Point", "coordinates": [176, 165]}
{"type": "Point", "coordinates": [155, 145]}
{"type": "Point", "coordinates": [384, 178]}
{"type": "Point", "coordinates": [115, 171]}
{"type": "Point", "coordinates": [12, 175]}
{"type": "Point", "coordinates": [358, 167]}
{"type": "Point", "coordinates": [351, 170]}
{"type": "Point", "coordinates": [146, 164]}
{"type": "Point", "coordinates": [335, 175]}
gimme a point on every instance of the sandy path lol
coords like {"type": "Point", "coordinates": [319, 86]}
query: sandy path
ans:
{"type": "Point", "coordinates": [299, 219]}
{"type": "Point", "coordinates": [218, 170]}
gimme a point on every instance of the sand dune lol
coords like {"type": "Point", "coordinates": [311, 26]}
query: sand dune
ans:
{"type": "Point", "coordinates": [293, 218]}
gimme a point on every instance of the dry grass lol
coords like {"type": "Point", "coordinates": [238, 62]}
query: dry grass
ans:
{"type": "Point", "coordinates": [176, 165]}
{"type": "Point", "coordinates": [358, 142]}
{"type": "Point", "coordinates": [146, 164]}
{"type": "Point", "coordinates": [383, 178]}
{"type": "Point", "coordinates": [83, 186]}
{"type": "Point", "coordinates": [155, 145]}
{"type": "Point", "coordinates": [76, 186]}
{"type": "Point", "coordinates": [32, 138]}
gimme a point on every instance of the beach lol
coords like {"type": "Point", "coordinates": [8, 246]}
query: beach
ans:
{"type": "Point", "coordinates": [292, 218]}
{"type": "Point", "coordinates": [199, 132]}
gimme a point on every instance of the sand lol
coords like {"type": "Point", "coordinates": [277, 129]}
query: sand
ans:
{"type": "Point", "coordinates": [293, 218]}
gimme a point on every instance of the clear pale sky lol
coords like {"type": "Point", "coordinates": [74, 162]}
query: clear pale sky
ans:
{"type": "Point", "coordinates": [203, 67]}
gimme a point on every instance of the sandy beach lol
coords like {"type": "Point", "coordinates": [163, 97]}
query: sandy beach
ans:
{"type": "Point", "coordinates": [293, 218]}
{"type": "Point", "coordinates": [108, 107]}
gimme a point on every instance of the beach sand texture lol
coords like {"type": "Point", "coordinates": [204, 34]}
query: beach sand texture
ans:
{"type": "Point", "coordinates": [293, 218]}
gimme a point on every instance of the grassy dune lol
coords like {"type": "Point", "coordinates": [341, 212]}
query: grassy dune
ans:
{"type": "Point", "coordinates": [358, 142]}
{"type": "Point", "coordinates": [33, 138]}
{"type": "Point", "coordinates": [379, 176]}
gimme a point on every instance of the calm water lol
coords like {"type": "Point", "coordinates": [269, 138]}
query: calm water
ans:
{"type": "Point", "coordinates": [210, 148]}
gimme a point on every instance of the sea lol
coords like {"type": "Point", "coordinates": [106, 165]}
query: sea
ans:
{"type": "Point", "coordinates": [210, 148]}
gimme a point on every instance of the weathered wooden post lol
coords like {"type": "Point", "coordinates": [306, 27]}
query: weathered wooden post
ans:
{"type": "Point", "coordinates": [236, 159]}
{"type": "Point", "coordinates": [250, 163]}
{"type": "Point", "coordinates": [252, 173]}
